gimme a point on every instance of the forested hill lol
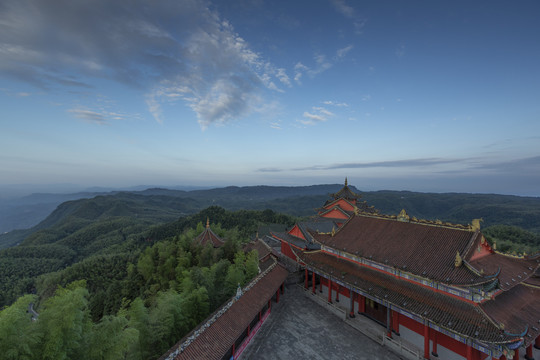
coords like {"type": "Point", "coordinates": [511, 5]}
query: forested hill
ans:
{"type": "Point", "coordinates": [165, 205]}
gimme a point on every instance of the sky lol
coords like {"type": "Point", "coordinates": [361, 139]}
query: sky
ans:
{"type": "Point", "coordinates": [432, 96]}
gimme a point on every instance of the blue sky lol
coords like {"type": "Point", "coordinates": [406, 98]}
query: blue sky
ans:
{"type": "Point", "coordinates": [406, 95]}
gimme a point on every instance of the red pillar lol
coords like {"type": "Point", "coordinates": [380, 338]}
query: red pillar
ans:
{"type": "Point", "coordinates": [362, 304]}
{"type": "Point", "coordinates": [389, 322]}
{"type": "Point", "coordinates": [306, 277]}
{"type": "Point", "coordinates": [351, 303]}
{"type": "Point", "coordinates": [434, 347]}
{"type": "Point", "coordinates": [469, 352]}
{"type": "Point", "coordinates": [320, 284]}
{"type": "Point", "coordinates": [314, 285]}
{"type": "Point", "coordinates": [516, 354]}
{"type": "Point", "coordinates": [426, 342]}
{"type": "Point", "coordinates": [529, 353]}
{"type": "Point", "coordinates": [537, 343]}
{"type": "Point", "coordinates": [329, 291]}
{"type": "Point", "coordinates": [395, 322]}
{"type": "Point", "coordinates": [503, 357]}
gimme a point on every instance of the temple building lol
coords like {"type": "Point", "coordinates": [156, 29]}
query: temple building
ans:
{"type": "Point", "coordinates": [439, 286]}
{"type": "Point", "coordinates": [209, 237]}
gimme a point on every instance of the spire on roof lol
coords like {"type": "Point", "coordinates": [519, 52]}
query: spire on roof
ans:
{"type": "Point", "coordinates": [207, 222]}
{"type": "Point", "coordinates": [345, 193]}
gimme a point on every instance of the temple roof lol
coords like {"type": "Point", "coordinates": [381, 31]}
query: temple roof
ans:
{"type": "Point", "coordinates": [513, 270]}
{"type": "Point", "coordinates": [423, 249]}
{"type": "Point", "coordinates": [515, 309]}
{"type": "Point", "coordinates": [216, 335]}
{"type": "Point", "coordinates": [209, 237]}
{"type": "Point", "coordinates": [459, 316]}
{"type": "Point", "coordinates": [262, 248]}
{"type": "Point", "coordinates": [345, 193]}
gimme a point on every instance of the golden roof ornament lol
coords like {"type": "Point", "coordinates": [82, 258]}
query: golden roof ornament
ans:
{"type": "Point", "coordinates": [207, 222]}
{"type": "Point", "coordinates": [403, 216]}
{"type": "Point", "coordinates": [356, 210]}
{"type": "Point", "coordinates": [345, 181]}
{"type": "Point", "coordinates": [458, 261]}
{"type": "Point", "coordinates": [476, 224]}
{"type": "Point", "coordinates": [333, 231]}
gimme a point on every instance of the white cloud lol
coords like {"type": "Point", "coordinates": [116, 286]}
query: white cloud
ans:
{"type": "Point", "coordinates": [191, 54]}
{"type": "Point", "coordinates": [318, 114]}
{"type": "Point", "coordinates": [333, 103]}
{"type": "Point", "coordinates": [341, 53]}
{"type": "Point", "coordinates": [349, 12]}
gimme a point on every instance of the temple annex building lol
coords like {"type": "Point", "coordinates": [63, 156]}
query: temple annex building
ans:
{"type": "Point", "coordinates": [438, 286]}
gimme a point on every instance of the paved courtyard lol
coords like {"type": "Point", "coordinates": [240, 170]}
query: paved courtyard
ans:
{"type": "Point", "coordinates": [299, 328]}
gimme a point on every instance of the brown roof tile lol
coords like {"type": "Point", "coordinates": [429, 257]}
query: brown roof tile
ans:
{"type": "Point", "coordinates": [516, 309]}
{"type": "Point", "coordinates": [262, 248]}
{"type": "Point", "coordinates": [422, 249]}
{"type": "Point", "coordinates": [513, 270]}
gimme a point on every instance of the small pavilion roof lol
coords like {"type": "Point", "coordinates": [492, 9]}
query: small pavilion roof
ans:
{"type": "Point", "coordinates": [427, 250]}
{"type": "Point", "coordinates": [208, 236]}
{"type": "Point", "coordinates": [458, 316]}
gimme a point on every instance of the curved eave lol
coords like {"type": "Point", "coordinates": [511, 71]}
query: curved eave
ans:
{"type": "Point", "coordinates": [425, 301]}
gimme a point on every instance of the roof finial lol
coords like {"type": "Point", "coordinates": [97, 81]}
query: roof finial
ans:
{"type": "Point", "coordinates": [207, 222]}
{"type": "Point", "coordinates": [458, 260]}
{"type": "Point", "coordinates": [239, 292]}
{"type": "Point", "coordinates": [345, 181]}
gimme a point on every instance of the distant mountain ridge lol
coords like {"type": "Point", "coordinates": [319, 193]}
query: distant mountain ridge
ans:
{"type": "Point", "coordinates": [159, 204]}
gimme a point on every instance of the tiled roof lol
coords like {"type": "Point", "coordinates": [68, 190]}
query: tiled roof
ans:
{"type": "Point", "coordinates": [462, 317]}
{"type": "Point", "coordinates": [342, 214]}
{"type": "Point", "coordinates": [296, 241]}
{"type": "Point", "coordinates": [214, 341]}
{"type": "Point", "coordinates": [262, 248]}
{"type": "Point", "coordinates": [513, 270]}
{"type": "Point", "coordinates": [516, 309]}
{"type": "Point", "coordinates": [422, 249]}
{"type": "Point", "coordinates": [208, 236]}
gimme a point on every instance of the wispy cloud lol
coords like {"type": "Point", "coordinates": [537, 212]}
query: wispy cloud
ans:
{"type": "Point", "coordinates": [349, 12]}
{"type": "Point", "coordinates": [90, 116]}
{"type": "Point", "coordinates": [98, 116]}
{"type": "Point", "coordinates": [190, 47]}
{"type": "Point", "coordinates": [318, 114]}
{"type": "Point", "coordinates": [335, 103]}
{"type": "Point", "coordinates": [321, 63]}
{"type": "Point", "coordinates": [400, 51]}
{"type": "Point", "coordinates": [341, 53]}
{"type": "Point", "coordinates": [406, 163]}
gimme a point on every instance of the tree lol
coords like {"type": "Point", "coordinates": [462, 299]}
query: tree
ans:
{"type": "Point", "coordinates": [65, 323]}
{"type": "Point", "coordinates": [18, 334]}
